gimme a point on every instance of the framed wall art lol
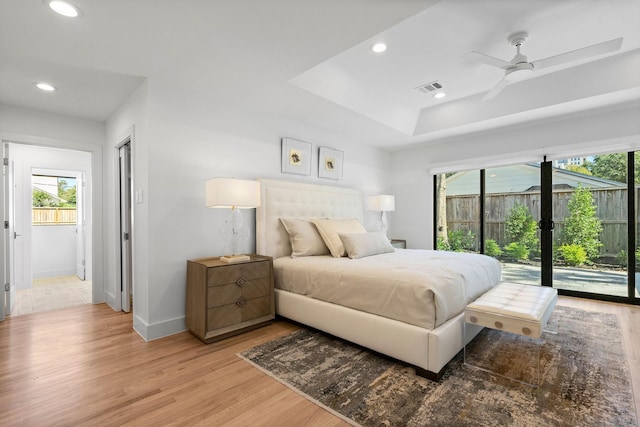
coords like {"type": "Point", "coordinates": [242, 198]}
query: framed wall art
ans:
{"type": "Point", "coordinates": [330, 163]}
{"type": "Point", "coordinates": [296, 156]}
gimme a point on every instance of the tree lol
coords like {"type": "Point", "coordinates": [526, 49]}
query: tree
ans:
{"type": "Point", "coordinates": [442, 237]}
{"type": "Point", "coordinates": [582, 227]}
{"type": "Point", "coordinates": [42, 199]}
{"type": "Point", "coordinates": [579, 169]}
{"type": "Point", "coordinates": [521, 228]}
{"type": "Point", "coordinates": [614, 167]}
{"type": "Point", "coordinates": [67, 192]}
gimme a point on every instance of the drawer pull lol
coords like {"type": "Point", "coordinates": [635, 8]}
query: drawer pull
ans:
{"type": "Point", "coordinates": [241, 281]}
{"type": "Point", "coordinates": [241, 302]}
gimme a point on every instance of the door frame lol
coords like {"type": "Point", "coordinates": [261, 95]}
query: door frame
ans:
{"type": "Point", "coordinates": [124, 224]}
{"type": "Point", "coordinates": [97, 251]}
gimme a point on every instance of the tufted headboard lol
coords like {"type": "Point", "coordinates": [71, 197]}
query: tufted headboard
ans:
{"type": "Point", "coordinates": [298, 200]}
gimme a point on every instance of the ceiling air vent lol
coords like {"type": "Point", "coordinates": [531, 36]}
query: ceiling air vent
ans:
{"type": "Point", "coordinates": [430, 87]}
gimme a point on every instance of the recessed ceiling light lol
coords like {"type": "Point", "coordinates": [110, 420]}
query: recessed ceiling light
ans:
{"type": "Point", "coordinates": [439, 95]}
{"type": "Point", "coordinates": [379, 47]}
{"type": "Point", "coordinates": [45, 87]}
{"type": "Point", "coordinates": [64, 8]}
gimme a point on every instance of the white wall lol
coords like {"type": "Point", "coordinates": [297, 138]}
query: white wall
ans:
{"type": "Point", "coordinates": [30, 129]}
{"type": "Point", "coordinates": [54, 251]}
{"type": "Point", "coordinates": [180, 142]}
{"type": "Point", "coordinates": [607, 131]}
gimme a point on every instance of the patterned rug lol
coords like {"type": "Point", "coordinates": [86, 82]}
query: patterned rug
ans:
{"type": "Point", "coordinates": [584, 379]}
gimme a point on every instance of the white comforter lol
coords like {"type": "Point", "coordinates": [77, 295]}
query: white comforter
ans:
{"type": "Point", "coordinates": [421, 287]}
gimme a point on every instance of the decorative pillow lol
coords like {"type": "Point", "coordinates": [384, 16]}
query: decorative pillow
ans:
{"type": "Point", "coordinates": [359, 245]}
{"type": "Point", "coordinates": [329, 229]}
{"type": "Point", "coordinates": [304, 238]}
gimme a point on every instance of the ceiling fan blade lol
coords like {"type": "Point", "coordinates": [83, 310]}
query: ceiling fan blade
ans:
{"type": "Point", "coordinates": [486, 59]}
{"type": "Point", "coordinates": [575, 55]}
{"type": "Point", "coordinates": [496, 90]}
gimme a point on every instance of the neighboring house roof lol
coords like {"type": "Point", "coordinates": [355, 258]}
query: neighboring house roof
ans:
{"type": "Point", "coordinates": [521, 178]}
{"type": "Point", "coordinates": [51, 196]}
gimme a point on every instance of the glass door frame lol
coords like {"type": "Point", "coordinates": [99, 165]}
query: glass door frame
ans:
{"type": "Point", "coordinates": [546, 226]}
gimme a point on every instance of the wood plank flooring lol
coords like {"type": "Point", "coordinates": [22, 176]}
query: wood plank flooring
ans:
{"type": "Point", "coordinates": [86, 366]}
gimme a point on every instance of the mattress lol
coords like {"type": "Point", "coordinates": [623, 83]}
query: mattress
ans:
{"type": "Point", "coordinates": [420, 287]}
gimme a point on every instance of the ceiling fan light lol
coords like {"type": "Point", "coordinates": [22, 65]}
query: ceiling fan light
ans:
{"type": "Point", "coordinates": [46, 87]}
{"type": "Point", "coordinates": [439, 95]}
{"type": "Point", "coordinates": [521, 72]}
{"type": "Point", "coordinates": [64, 8]}
{"type": "Point", "coordinates": [379, 47]}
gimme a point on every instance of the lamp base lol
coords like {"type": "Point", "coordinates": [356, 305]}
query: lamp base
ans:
{"type": "Point", "coordinates": [235, 258]}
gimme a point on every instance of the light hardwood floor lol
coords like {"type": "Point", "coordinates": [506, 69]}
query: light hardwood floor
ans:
{"type": "Point", "coordinates": [86, 366]}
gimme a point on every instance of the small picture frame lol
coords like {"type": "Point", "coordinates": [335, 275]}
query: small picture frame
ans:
{"type": "Point", "coordinates": [296, 156]}
{"type": "Point", "coordinates": [330, 163]}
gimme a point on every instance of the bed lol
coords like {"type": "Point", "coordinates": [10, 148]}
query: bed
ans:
{"type": "Point", "coordinates": [384, 310]}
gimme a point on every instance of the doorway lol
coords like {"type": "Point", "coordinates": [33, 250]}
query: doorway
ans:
{"type": "Point", "coordinates": [125, 225]}
{"type": "Point", "coordinates": [46, 249]}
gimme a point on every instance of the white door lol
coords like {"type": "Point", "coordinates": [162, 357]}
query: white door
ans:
{"type": "Point", "coordinates": [80, 225]}
{"type": "Point", "coordinates": [9, 233]}
{"type": "Point", "coordinates": [125, 226]}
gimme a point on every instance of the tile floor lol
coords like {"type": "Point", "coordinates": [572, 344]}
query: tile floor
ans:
{"type": "Point", "coordinates": [52, 293]}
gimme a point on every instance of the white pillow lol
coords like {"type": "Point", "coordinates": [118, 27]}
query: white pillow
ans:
{"type": "Point", "coordinates": [359, 245]}
{"type": "Point", "coordinates": [304, 238]}
{"type": "Point", "coordinates": [329, 229]}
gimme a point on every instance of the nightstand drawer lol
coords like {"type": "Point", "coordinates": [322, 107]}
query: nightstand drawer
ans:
{"type": "Point", "coordinates": [230, 293]}
{"type": "Point", "coordinates": [241, 311]}
{"type": "Point", "coordinates": [239, 273]}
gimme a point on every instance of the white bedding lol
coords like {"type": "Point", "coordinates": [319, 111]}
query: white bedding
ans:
{"type": "Point", "coordinates": [420, 287]}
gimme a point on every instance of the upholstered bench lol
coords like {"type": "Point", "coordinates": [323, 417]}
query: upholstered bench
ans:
{"type": "Point", "coordinates": [513, 307]}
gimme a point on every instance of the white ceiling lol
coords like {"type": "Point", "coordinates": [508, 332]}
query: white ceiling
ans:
{"type": "Point", "coordinates": [310, 60]}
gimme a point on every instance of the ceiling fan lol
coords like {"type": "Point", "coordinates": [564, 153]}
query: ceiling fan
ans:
{"type": "Point", "coordinates": [519, 68]}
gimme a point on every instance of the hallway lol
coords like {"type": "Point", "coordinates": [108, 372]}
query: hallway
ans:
{"type": "Point", "coordinates": [52, 293]}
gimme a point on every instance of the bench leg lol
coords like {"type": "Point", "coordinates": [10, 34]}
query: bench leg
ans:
{"type": "Point", "coordinates": [535, 383]}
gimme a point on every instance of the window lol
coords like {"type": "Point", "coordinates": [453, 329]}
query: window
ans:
{"type": "Point", "coordinates": [53, 200]}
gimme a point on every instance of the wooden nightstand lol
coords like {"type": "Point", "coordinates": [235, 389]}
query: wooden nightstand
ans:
{"type": "Point", "coordinates": [226, 299]}
{"type": "Point", "coordinates": [398, 243]}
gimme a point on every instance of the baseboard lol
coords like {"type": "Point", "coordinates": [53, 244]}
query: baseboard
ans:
{"type": "Point", "coordinates": [150, 332]}
{"type": "Point", "coordinates": [53, 273]}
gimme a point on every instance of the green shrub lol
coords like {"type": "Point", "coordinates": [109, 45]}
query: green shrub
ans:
{"type": "Point", "coordinates": [492, 249]}
{"type": "Point", "coordinates": [622, 258]}
{"type": "Point", "coordinates": [516, 251]}
{"type": "Point", "coordinates": [461, 240]}
{"type": "Point", "coordinates": [573, 254]}
{"type": "Point", "coordinates": [520, 227]}
{"type": "Point", "coordinates": [582, 227]}
{"type": "Point", "coordinates": [441, 245]}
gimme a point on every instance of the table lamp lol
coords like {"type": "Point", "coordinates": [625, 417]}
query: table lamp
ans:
{"type": "Point", "coordinates": [233, 194]}
{"type": "Point", "coordinates": [382, 203]}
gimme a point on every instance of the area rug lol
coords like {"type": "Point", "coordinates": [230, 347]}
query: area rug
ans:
{"type": "Point", "coordinates": [583, 376]}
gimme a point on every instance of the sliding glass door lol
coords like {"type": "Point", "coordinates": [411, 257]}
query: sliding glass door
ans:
{"type": "Point", "coordinates": [568, 223]}
{"type": "Point", "coordinates": [511, 213]}
{"type": "Point", "coordinates": [458, 212]}
{"type": "Point", "coordinates": [590, 212]}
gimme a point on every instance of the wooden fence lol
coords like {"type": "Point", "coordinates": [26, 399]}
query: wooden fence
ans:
{"type": "Point", "coordinates": [611, 208]}
{"type": "Point", "coordinates": [53, 216]}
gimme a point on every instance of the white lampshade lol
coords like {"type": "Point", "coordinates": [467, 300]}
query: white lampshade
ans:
{"type": "Point", "coordinates": [232, 193]}
{"type": "Point", "coordinates": [381, 203]}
